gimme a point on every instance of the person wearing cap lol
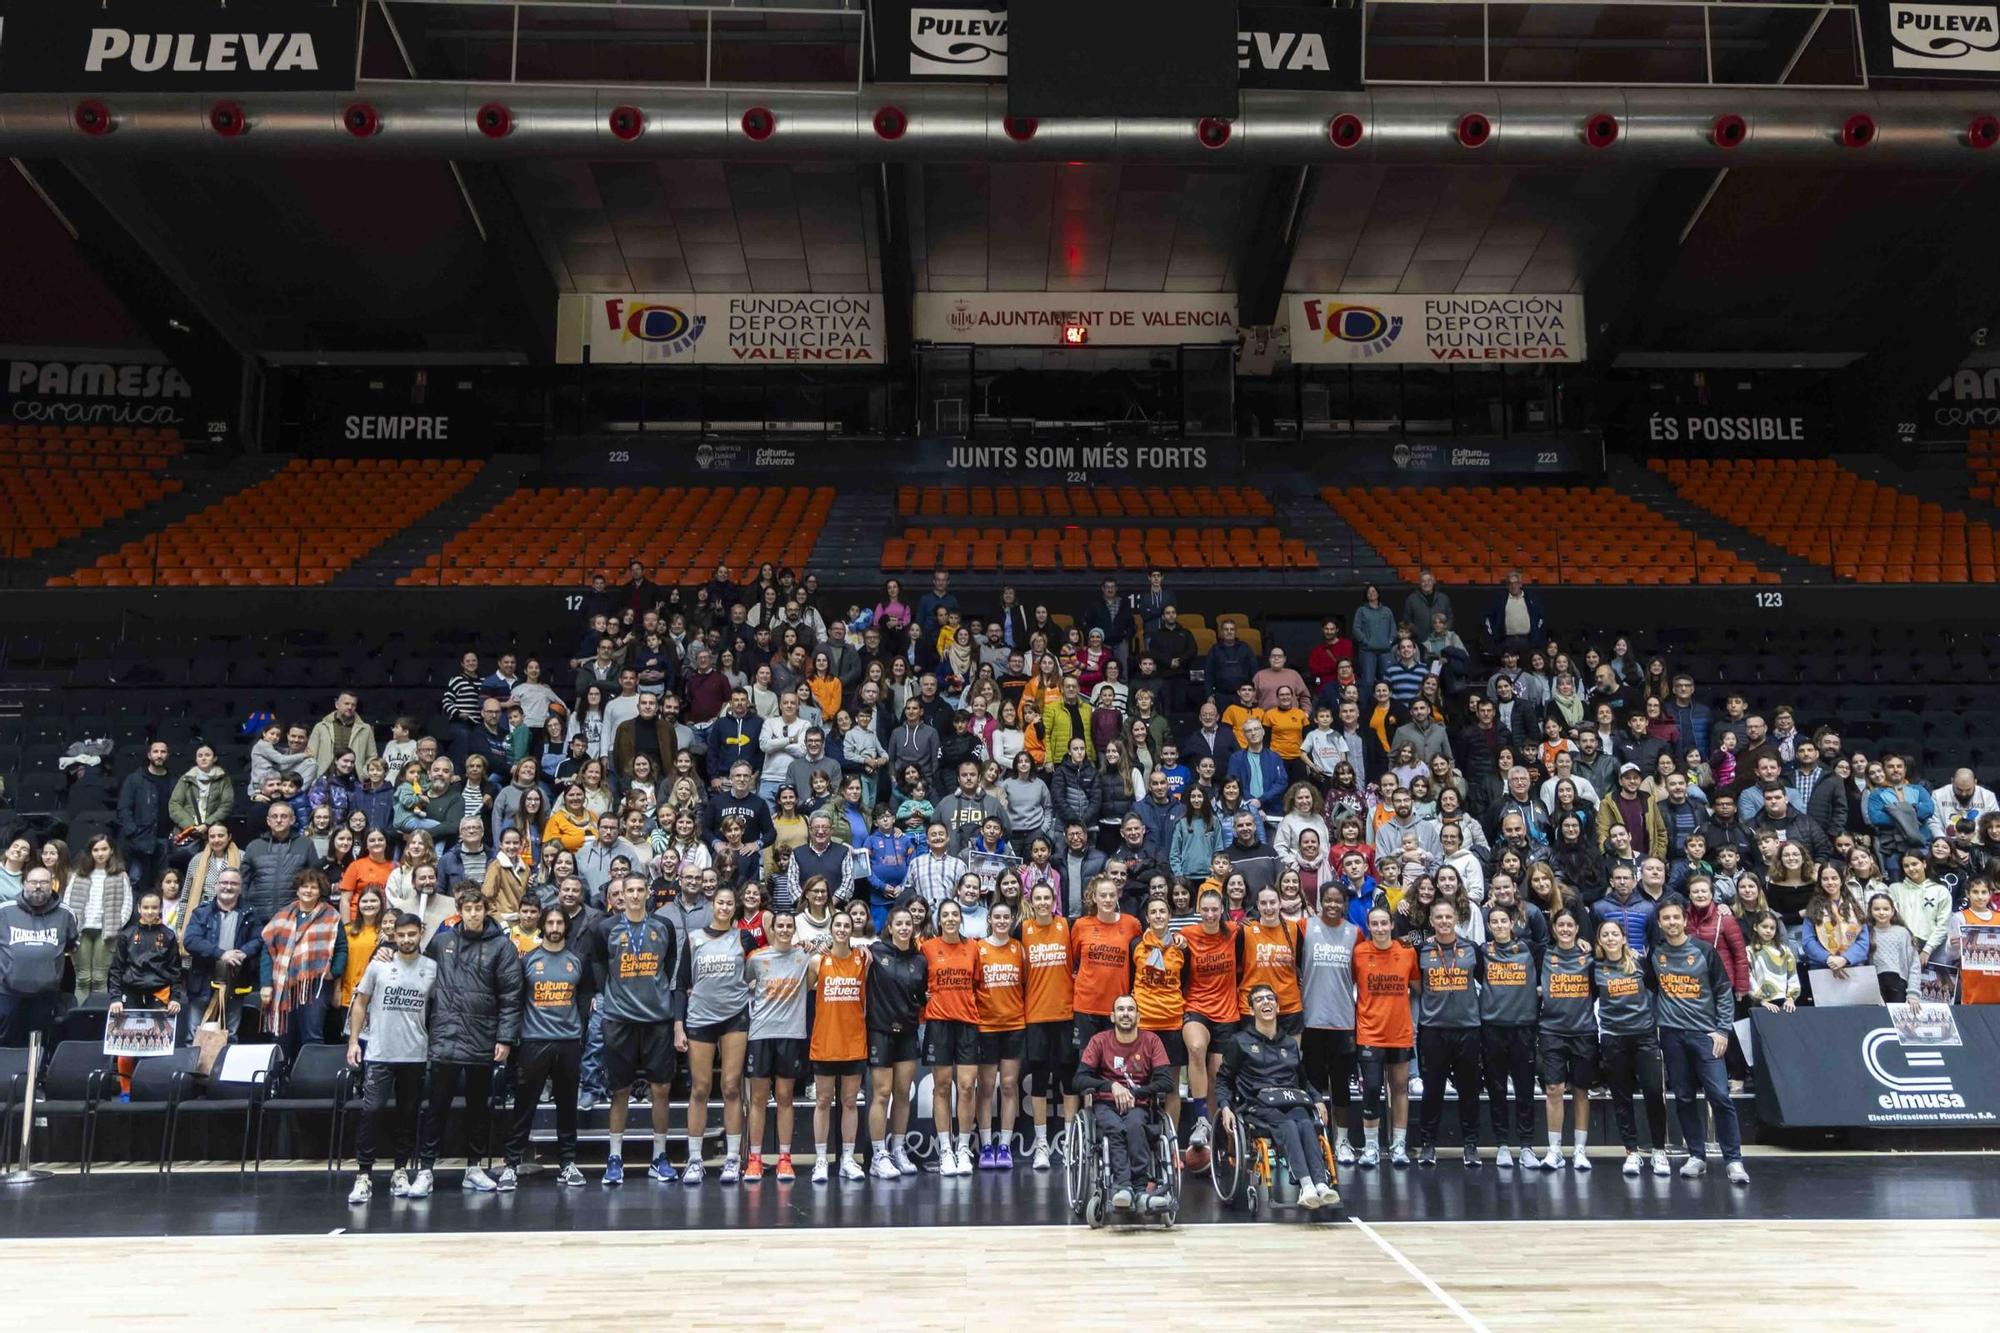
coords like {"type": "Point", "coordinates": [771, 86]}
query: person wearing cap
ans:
{"type": "Point", "coordinates": [1627, 807]}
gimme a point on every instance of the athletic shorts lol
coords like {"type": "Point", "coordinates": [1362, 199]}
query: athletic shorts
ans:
{"type": "Point", "coordinates": [949, 1042]}
{"type": "Point", "coordinates": [1567, 1057]}
{"type": "Point", "coordinates": [632, 1049]}
{"type": "Point", "coordinates": [838, 1068]}
{"type": "Point", "coordinates": [778, 1057]}
{"type": "Point", "coordinates": [711, 1033]}
{"type": "Point", "coordinates": [1087, 1026]}
{"type": "Point", "coordinates": [997, 1046]}
{"type": "Point", "coordinates": [1175, 1043]}
{"type": "Point", "coordinates": [1292, 1025]}
{"type": "Point", "coordinates": [1051, 1046]}
{"type": "Point", "coordinates": [891, 1048]}
{"type": "Point", "coordinates": [1218, 1028]}
{"type": "Point", "coordinates": [1388, 1055]}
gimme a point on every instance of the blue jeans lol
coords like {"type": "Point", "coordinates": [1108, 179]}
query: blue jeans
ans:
{"type": "Point", "coordinates": [1693, 1068]}
{"type": "Point", "coordinates": [591, 1075]}
{"type": "Point", "coordinates": [1368, 665]}
{"type": "Point", "coordinates": [306, 1023]}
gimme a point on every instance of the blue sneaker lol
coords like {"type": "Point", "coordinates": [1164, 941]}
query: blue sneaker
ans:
{"type": "Point", "coordinates": [614, 1171]}
{"type": "Point", "coordinates": [663, 1170]}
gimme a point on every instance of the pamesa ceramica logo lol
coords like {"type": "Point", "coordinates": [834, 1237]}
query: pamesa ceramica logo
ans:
{"type": "Point", "coordinates": [1924, 1087]}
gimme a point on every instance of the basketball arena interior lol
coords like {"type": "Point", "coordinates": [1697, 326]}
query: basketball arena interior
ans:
{"type": "Point", "coordinates": [1098, 645]}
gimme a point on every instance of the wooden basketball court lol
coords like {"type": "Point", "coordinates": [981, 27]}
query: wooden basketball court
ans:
{"type": "Point", "coordinates": [1283, 1275]}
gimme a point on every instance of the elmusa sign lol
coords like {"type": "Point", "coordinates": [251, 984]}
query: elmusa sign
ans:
{"type": "Point", "coordinates": [113, 46]}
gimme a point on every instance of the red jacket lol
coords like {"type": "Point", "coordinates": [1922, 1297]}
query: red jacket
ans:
{"type": "Point", "coordinates": [1325, 659]}
{"type": "Point", "coordinates": [1720, 929]}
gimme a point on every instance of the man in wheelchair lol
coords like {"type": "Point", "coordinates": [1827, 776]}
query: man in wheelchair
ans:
{"type": "Point", "coordinates": [1125, 1073]}
{"type": "Point", "coordinates": [1261, 1078]}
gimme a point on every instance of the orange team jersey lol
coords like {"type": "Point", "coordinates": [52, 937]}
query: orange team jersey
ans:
{"type": "Point", "coordinates": [840, 1029]}
{"type": "Point", "coordinates": [952, 968]}
{"type": "Point", "coordinates": [1049, 970]}
{"type": "Point", "coordinates": [1383, 979]}
{"type": "Point", "coordinates": [1288, 730]}
{"type": "Point", "coordinates": [1003, 1004]}
{"type": "Point", "coordinates": [1212, 973]}
{"type": "Point", "coordinates": [1270, 957]}
{"type": "Point", "coordinates": [1159, 975]}
{"type": "Point", "coordinates": [1234, 717]}
{"type": "Point", "coordinates": [1103, 961]}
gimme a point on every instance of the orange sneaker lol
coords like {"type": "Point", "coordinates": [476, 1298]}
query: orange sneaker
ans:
{"type": "Point", "coordinates": [785, 1173]}
{"type": "Point", "coordinates": [753, 1170]}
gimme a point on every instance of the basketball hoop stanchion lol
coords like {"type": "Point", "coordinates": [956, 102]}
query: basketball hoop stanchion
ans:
{"type": "Point", "coordinates": [27, 1173]}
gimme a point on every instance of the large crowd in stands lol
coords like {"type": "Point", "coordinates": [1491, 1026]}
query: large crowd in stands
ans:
{"type": "Point", "coordinates": [755, 837]}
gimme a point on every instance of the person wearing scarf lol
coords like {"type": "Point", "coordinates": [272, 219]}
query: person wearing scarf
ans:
{"type": "Point", "coordinates": [204, 794]}
{"type": "Point", "coordinates": [305, 949]}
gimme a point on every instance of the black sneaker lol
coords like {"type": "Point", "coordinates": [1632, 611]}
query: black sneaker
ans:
{"type": "Point", "coordinates": [1427, 1155]}
{"type": "Point", "coordinates": [1472, 1162]}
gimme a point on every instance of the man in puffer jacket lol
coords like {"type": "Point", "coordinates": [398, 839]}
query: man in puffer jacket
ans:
{"type": "Point", "coordinates": [475, 1021]}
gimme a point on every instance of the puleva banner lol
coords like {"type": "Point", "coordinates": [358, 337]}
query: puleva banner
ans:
{"type": "Point", "coordinates": [164, 46]}
{"type": "Point", "coordinates": [719, 328]}
{"type": "Point", "coordinates": [1442, 330]}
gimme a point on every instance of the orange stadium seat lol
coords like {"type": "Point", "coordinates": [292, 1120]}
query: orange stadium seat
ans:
{"type": "Point", "coordinates": [59, 482]}
{"type": "Point", "coordinates": [1070, 549]}
{"type": "Point", "coordinates": [1822, 512]}
{"type": "Point", "coordinates": [1211, 502]}
{"type": "Point", "coordinates": [1577, 535]}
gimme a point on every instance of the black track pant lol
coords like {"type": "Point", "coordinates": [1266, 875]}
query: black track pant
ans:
{"type": "Point", "coordinates": [392, 1095]}
{"type": "Point", "coordinates": [1449, 1053]}
{"type": "Point", "coordinates": [1632, 1064]}
{"type": "Point", "coordinates": [1509, 1051]}
{"type": "Point", "coordinates": [446, 1081]}
{"type": "Point", "coordinates": [535, 1064]}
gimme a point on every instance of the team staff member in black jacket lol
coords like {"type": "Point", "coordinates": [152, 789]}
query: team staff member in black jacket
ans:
{"type": "Point", "coordinates": [1263, 1076]}
{"type": "Point", "coordinates": [1448, 1032]}
{"type": "Point", "coordinates": [1509, 1006]}
{"type": "Point", "coordinates": [1567, 1047]}
{"type": "Point", "coordinates": [1696, 1013]}
{"type": "Point", "coordinates": [554, 998]}
{"type": "Point", "coordinates": [898, 984]}
{"type": "Point", "coordinates": [475, 1024]}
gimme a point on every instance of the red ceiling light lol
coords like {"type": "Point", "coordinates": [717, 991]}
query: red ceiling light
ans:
{"type": "Point", "coordinates": [1474, 129]}
{"type": "Point", "coordinates": [1345, 130]}
{"type": "Point", "coordinates": [759, 124]}
{"type": "Point", "coordinates": [361, 120]}
{"type": "Point", "coordinates": [1601, 131]}
{"type": "Point", "coordinates": [1213, 131]}
{"type": "Point", "coordinates": [1728, 131]}
{"type": "Point", "coordinates": [1020, 128]}
{"type": "Point", "coordinates": [93, 118]}
{"type": "Point", "coordinates": [627, 123]}
{"type": "Point", "coordinates": [1983, 132]}
{"type": "Point", "coordinates": [1858, 131]}
{"type": "Point", "coordinates": [228, 119]}
{"type": "Point", "coordinates": [494, 120]}
{"type": "Point", "coordinates": [1075, 335]}
{"type": "Point", "coordinates": [891, 123]}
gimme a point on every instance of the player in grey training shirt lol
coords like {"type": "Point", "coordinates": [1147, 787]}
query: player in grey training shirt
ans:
{"type": "Point", "coordinates": [392, 1020]}
{"type": "Point", "coordinates": [1326, 988]}
{"type": "Point", "coordinates": [777, 976]}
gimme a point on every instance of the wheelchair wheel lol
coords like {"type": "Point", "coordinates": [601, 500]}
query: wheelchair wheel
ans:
{"type": "Point", "coordinates": [1079, 1180]}
{"type": "Point", "coordinates": [1094, 1210]}
{"type": "Point", "coordinates": [1169, 1150]}
{"type": "Point", "coordinates": [1230, 1169]}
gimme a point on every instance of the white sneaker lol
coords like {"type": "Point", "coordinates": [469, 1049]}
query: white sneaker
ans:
{"type": "Point", "coordinates": [507, 1180]}
{"type": "Point", "coordinates": [1399, 1155]}
{"type": "Point", "coordinates": [1694, 1168]}
{"type": "Point", "coordinates": [967, 1164]}
{"type": "Point", "coordinates": [399, 1184]}
{"type": "Point", "coordinates": [420, 1188]}
{"type": "Point", "coordinates": [851, 1169]}
{"type": "Point", "coordinates": [732, 1171]}
{"type": "Point", "coordinates": [1416, 1087]}
{"type": "Point", "coordinates": [1041, 1160]}
{"type": "Point", "coordinates": [1308, 1196]}
{"type": "Point", "coordinates": [692, 1173]}
{"type": "Point", "coordinates": [1343, 1151]}
{"type": "Point", "coordinates": [1634, 1163]}
{"type": "Point", "coordinates": [1529, 1160]}
{"type": "Point", "coordinates": [820, 1173]}
{"type": "Point", "coordinates": [1371, 1157]}
{"type": "Point", "coordinates": [947, 1162]}
{"type": "Point", "coordinates": [1579, 1162]}
{"type": "Point", "coordinates": [1503, 1156]}
{"type": "Point", "coordinates": [363, 1191]}
{"type": "Point", "coordinates": [1198, 1136]}
{"type": "Point", "coordinates": [882, 1166]}
{"type": "Point", "coordinates": [1661, 1166]}
{"type": "Point", "coordinates": [900, 1154]}
{"type": "Point", "coordinates": [1738, 1174]}
{"type": "Point", "coordinates": [477, 1179]}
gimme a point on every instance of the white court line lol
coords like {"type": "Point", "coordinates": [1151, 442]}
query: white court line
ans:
{"type": "Point", "coordinates": [1407, 1266]}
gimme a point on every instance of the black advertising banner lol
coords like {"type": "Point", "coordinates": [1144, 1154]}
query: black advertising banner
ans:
{"type": "Point", "coordinates": [129, 46]}
{"type": "Point", "coordinates": [918, 42]}
{"type": "Point", "coordinates": [1766, 424]}
{"type": "Point", "coordinates": [1879, 1067]}
{"type": "Point", "coordinates": [1294, 48]}
{"type": "Point", "coordinates": [1915, 41]}
{"type": "Point", "coordinates": [1121, 58]}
